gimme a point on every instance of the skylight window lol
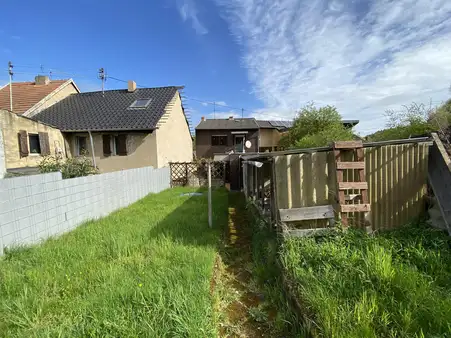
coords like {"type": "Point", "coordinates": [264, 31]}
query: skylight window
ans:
{"type": "Point", "coordinates": [141, 103]}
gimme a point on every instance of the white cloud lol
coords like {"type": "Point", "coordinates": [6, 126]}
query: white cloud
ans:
{"type": "Point", "coordinates": [218, 103]}
{"type": "Point", "coordinates": [363, 57]}
{"type": "Point", "coordinates": [188, 11]}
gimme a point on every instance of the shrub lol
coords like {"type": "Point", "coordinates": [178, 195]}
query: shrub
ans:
{"type": "Point", "coordinates": [315, 127]}
{"type": "Point", "coordinates": [70, 168]}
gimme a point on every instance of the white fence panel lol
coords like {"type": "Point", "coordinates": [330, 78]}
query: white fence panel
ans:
{"type": "Point", "coordinates": [32, 208]}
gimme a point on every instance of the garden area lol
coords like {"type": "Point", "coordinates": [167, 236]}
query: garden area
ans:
{"type": "Point", "coordinates": [143, 271]}
{"type": "Point", "coordinates": [155, 269]}
{"type": "Point", "coordinates": [393, 284]}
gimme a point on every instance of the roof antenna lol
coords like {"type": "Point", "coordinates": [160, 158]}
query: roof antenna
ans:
{"type": "Point", "coordinates": [10, 71]}
{"type": "Point", "coordinates": [102, 76]}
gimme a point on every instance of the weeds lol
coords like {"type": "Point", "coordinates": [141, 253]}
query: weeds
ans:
{"type": "Point", "coordinates": [394, 284]}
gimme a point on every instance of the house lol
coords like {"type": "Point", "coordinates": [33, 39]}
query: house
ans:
{"type": "Point", "coordinates": [220, 136]}
{"type": "Point", "coordinates": [26, 141]}
{"type": "Point", "coordinates": [30, 98]}
{"type": "Point", "coordinates": [123, 129]}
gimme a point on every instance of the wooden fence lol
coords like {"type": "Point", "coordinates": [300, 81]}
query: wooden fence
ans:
{"type": "Point", "coordinates": [195, 174]}
{"type": "Point", "coordinates": [439, 174]}
{"type": "Point", "coordinates": [396, 174]}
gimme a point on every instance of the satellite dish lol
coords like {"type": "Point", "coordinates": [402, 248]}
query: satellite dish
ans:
{"type": "Point", "coordinates": [248, 144]}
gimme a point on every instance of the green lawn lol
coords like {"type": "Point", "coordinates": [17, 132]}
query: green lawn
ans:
{"type": "Point", "coordinates": [142, 271]}
{"type": "Point", "coordinates": [395, 284]}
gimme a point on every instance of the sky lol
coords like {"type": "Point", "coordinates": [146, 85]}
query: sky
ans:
{"type": "Point", "coordinates": [260, 58]}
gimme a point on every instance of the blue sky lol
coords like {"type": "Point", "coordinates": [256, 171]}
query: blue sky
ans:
{"type": "Point", "coordinates": [269, 57]}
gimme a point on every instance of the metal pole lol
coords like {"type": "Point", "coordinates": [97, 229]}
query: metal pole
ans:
{"type": "Point", "coordinates": [92, 150]}
{"type": "Point", "coordinates": [10, 71]}
{"type": "Point", "coordinates": [210, 218]}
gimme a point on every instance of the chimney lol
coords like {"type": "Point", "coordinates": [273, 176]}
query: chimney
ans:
{"type": "Point", "coordinates": [131, 86]}
{"type": "Point", "coordinates": [202, 118]}
{"type": "Point", "coordinates": [230, 117]}
{"type": "Point", "coordinates": [41, 80]}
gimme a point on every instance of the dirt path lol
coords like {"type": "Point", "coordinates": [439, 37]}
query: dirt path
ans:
{"type": "Point", "coordinates": [242, 307]}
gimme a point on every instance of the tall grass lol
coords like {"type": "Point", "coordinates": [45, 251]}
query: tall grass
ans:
{"type": "Point", "coordinates": [143, 271]}
{"type": "Point", "coordinates": [395, 284]}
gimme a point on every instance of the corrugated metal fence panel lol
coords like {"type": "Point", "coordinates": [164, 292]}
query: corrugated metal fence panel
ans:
{"type": "Point", "coordinates": [396, 176]}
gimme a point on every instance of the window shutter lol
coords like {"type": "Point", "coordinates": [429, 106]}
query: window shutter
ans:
{"type": "Point", "coordinates": [44, 143]}
{"type": "Point", "coordinates": [106, 145]}
{"type": "Point", "coordinates": [122, 145]}
{"type": "Point", "coordinates": [23, 143]}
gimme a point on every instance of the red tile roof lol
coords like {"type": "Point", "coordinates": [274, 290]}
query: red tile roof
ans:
{"type": "Point", "coordinates": [26, 95]}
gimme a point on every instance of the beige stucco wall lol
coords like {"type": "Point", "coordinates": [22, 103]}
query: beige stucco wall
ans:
{"type": "Point", "coordinates": [269, 137]}
{"type": "Point", "coordinates": [50, 100]}
{"type": "Point", "coordinates": [11, 124]}
{"type": "Point", "coordinates": [174, 142]}
{"type": "Point", "coordinates": [140, 151]}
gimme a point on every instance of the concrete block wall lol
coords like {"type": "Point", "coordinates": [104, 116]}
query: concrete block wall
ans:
{"type": "Point", "coordinates": [33, 208]}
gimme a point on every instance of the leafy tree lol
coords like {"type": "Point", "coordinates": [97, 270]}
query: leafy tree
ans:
{"type": "Point", "coordinates": [414, 120]}
{"type": "Point", "coordinates": [315, 127]}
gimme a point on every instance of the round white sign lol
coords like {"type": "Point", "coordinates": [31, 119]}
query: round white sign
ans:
{"type": "Point", "coordinates": [248, 144]}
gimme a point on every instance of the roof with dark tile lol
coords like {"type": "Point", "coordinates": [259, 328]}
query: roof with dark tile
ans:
{"type": "Point", "coordinates": [271, 124]}
{"type": "Point", "coordinates": [26, 94]}
{"type": "Point", "coordinates": [228, 124]}
{"type": "Point", "coordinates": [110, 110]}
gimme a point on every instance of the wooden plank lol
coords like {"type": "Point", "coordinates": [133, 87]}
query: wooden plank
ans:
{"type": "Point", "coordinates": [341, 193]}
{"type": "Point", "coordinates": [351, 165]}
{"type": "Point", "coordinates": [362, 176]}
{"type": "Point", "coordinates": [355, 207]}
{"type": "Point", "coordinates": [348, 144]}
{"type": "Point", "coordinates": [305, 232]}
{"type": "Point", "coordinates": [352, 185]}
{"type": "Point", "coordinates": [308, 213]}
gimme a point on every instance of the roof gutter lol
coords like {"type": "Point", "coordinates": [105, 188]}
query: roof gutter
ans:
{"type": "Point", "coordinates": [102, 130]}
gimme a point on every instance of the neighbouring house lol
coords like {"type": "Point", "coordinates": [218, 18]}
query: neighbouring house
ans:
{"type": "Point", "coordinates": [26, 141]}
{"type": "Point", "coordinates": [220, 136]}
{"type": "Point", "coordinates": [30, 98]}
{"type": "Point", "coordinates": [126, 128]}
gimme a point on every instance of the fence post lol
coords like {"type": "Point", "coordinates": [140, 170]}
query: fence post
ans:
{"type": "Point", "coordinates": [210, 218]}
{"type": "Point", "coordinates": [186, 173]}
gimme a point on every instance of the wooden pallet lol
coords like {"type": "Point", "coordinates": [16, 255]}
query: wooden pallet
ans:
{"type": "Point", "coordinates": [340, 149]}
{"type": "Point", "coordinates": [304, 214]}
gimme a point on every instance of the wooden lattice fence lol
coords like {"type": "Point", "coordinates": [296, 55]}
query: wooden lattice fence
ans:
{"type": "Point", "coordinates": [195, 174]}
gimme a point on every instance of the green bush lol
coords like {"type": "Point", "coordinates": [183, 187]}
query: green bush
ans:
{"type": "Point", "coordinates": [414, 120]}
{"type": "Point", "coordinates": [70, 168]}
{"type": "Point", "coordinates": [315, 127]}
